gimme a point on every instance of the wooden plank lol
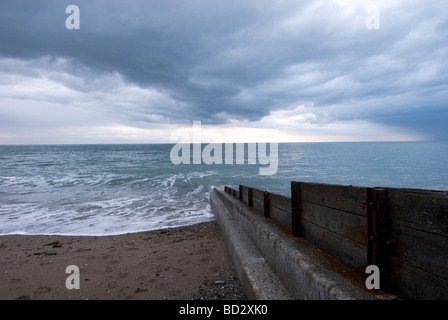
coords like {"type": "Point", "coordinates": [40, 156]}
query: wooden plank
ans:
{"type": "Point", "coordinates": [345, 198]}
{"type": "Point", "coordinates": [281, 217]}
{"type": "Point", "coordinates": [245, 194]}
{"type": "Point", "coordinates": [280, 202]}
{"type": "Point", "coordinates": [266, 204]}
{"type": "Point", "coordinates": [257, 195]}
{"type": "Point", "coordinates": [257, 198]}
{"type": "Point", "coordinates": [416, 284]}
{"type": "Point", "coordinates": [250, 199]}
{"type": "Point", "coordinates": [296, 211]}
{"type": "Point", "coordinates": [259, 205]}
{"type": "Point", "coordinates": [345, 224]}
{"type": "Point", "coordinates": [335, 217]}
{"type": "Point", "coordinates": [424, 250]}
{"type": "Point", "coordinates": [348, 252]}
{"type": "Point", "coordinates": [425, 210]}
{"type": "Point", "coordinates": [231, 191]}
{"type": "Point", "coordinates": [378, 230]}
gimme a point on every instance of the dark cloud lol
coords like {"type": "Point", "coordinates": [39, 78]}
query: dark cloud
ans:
{"type": "Point", "coordinates": [217, 60]}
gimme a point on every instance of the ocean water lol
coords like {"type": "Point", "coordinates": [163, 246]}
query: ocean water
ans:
{"type": "Point", "coordinates": [115, 189]}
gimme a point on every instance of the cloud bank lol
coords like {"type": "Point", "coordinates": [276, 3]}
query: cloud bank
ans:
{"type": "Point", "coordinates": [137, 69]}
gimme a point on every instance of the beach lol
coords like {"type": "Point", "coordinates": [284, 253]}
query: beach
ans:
{"type": "Point", "coordinates": [186, 263]}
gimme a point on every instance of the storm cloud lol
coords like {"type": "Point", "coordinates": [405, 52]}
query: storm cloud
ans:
{"type": "Point", "coordinates": [157, 64]}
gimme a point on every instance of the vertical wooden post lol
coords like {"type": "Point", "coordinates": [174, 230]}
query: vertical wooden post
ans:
{"type": "Point", "coordinates": [234, 192]}
{"type": "Point", "coordinates": [266, 204]}
{"type": "Point", "coordinates": [378, 233]}
{"type": "Point", "coordinates": [250, 200]}
{"type": "Point", "coordinates": [296, 226]}
{"type": "Point", "coordinates": [240, 195]}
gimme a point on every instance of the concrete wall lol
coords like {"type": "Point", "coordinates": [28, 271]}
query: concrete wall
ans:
{"type": "Point", "coordinates": [273, 265]}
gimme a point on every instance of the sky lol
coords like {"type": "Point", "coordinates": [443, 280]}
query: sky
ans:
{"type": "Point", "coordinates": [137, 71]}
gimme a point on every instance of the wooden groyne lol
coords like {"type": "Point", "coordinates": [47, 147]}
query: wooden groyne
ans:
{"type": "Point", "coordinates": [402, 231]}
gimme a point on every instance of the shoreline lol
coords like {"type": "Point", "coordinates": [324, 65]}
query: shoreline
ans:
{"type": "Point", "coordinates": [92, 235]}
{"type": "Point", "coordinates": [183, 263]}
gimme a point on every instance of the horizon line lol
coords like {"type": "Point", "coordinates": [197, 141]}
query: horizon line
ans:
{"type": "Point", "coordinates": [174, 143]}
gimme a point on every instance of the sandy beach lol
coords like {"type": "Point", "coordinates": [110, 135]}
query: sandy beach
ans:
{"type": "Point", "coordinates": [174, 264]}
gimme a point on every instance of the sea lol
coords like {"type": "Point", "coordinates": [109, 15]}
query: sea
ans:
{"type": "Point", "coordinates": [117, 189]}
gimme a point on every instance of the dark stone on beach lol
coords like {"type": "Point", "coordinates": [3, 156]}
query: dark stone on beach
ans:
{"type": "Point", "coordinates": [138, 290]}
{"type": "Point", "coordinates": [50, 253]}
{"type": "Point", "coordinates": [220, 282]}
{"type": "Point", "coordinates": [55, 244]}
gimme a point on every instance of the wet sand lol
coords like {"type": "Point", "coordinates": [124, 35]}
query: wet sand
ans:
{"type": "Point", "coordinates": [174, 264]}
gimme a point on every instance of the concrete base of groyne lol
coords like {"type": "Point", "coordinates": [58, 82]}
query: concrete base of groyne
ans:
{"type": "Point", "coordinates": [272, 265]}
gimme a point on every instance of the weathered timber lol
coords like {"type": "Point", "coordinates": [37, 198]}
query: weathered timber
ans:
{"type": "Point", "coordinates": [280, 202]}
{"type": "Point", "coordinates": [425, 210]}
{"type": "Point", "coordinates": [414, 283]}
{"type": "Point", "coordinates": [281, 217]}
{"type": "Point", "coordinates": [402, 231]}
{"type": "Point", "coordinates": [343, 223]}
{"type": "Point", "coordinates": [245, 194]}
{"type": "Point", "coordinates": [266, 204]}
{"type": "Point", "coordinates": [296, 216]}
{"type": "Point", "coordinates": [348, 252]}
{"type": "Point", "coordinates": [258, 199]}
{"type": "Point", "coordinates": [250, 198]}
{"type": "Point", "coordinates": [378, 232]}
{"type": "Point", "coordinates": [423, 250]}
{"type": "Point", "coordinates": [345, 198]}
